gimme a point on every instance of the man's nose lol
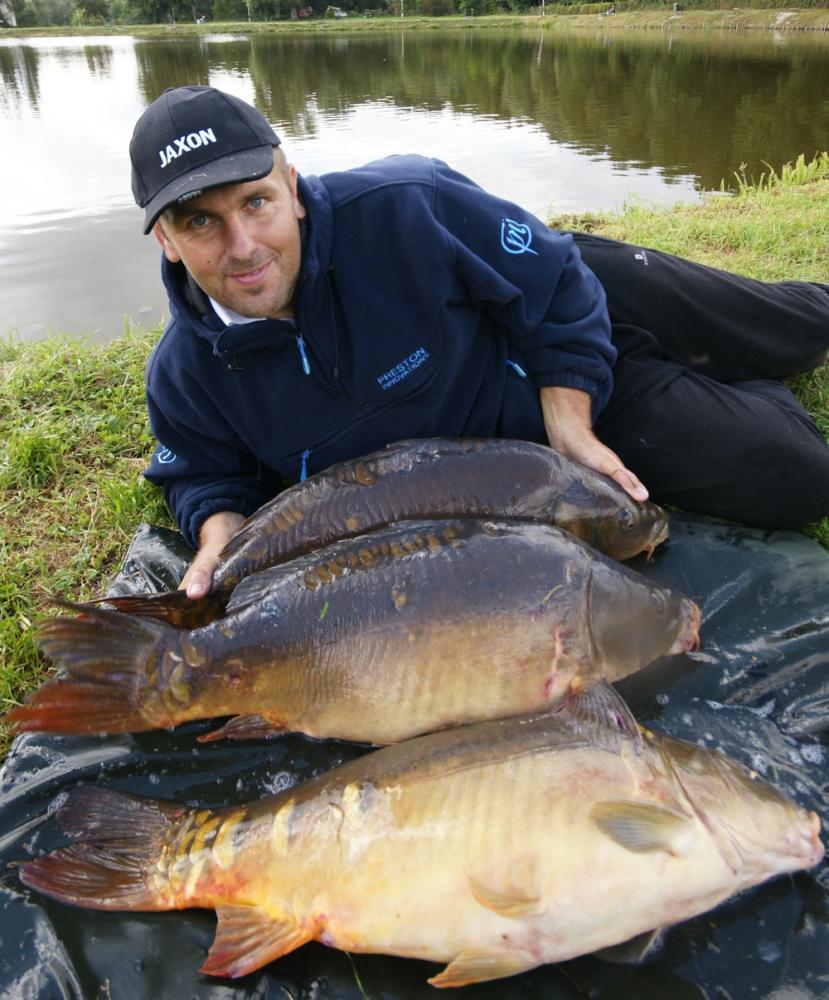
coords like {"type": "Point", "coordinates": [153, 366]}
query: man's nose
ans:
{"type": "Point", "coordinates": [238, 238]}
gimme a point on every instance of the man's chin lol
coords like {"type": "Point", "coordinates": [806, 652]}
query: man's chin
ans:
{"type": "Point", "coordinates": [257, 302]}
{"type": "Point", "coordinates": [253, 304]}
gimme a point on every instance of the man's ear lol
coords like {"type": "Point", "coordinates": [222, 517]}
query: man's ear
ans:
{"type": "Point", "coordinates": [169, 249]}
{"type": "Point", "coordinates": [299, 208]}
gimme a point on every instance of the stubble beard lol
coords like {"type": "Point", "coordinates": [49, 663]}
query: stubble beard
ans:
{"type": "Point", "coordinates": [247, 302]}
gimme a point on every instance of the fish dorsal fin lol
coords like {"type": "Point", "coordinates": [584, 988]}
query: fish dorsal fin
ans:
{"type": "Point", "coordinates": [248, 938]}
{"type": "Point", "coordinates": [478, 966]}
{"type": "Point", "coordinates": [635, 950]}
{"type": "Point", "coordinates": [506, 902]}
{"type": "Point", "coordinates": [644, 826]}
{"type": "Point", "coordinates": [244, 727]}
{"type": "Point", "coordinates": [601, 717]}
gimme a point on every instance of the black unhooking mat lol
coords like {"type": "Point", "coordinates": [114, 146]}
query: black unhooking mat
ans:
{"type": "Point", "coordinates": [758, 689]}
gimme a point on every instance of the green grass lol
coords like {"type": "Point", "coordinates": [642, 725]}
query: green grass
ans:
{"type": "Point", "coordinates": [71, 493]}
{"type": "Point", "coordinates": [76, 434]}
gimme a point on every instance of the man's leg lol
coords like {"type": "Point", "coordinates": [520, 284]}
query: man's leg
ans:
{"type": "Point", "coordinates": [746, 452]}
{"type": "Point", "coordinates": [723, 325]}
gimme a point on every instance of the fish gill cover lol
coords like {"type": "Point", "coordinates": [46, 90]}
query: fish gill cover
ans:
{"type": "Point", "coordinates": [757, 689]}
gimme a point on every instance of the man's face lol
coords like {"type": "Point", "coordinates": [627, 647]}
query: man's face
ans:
{"type": "Point", "coordinates": [241, 242]}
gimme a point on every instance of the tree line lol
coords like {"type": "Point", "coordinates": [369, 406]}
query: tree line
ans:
{"type": "Point", "coordinates": [80, 13]}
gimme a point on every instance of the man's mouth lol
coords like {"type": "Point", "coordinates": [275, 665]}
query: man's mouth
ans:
{"type": "Point", "coordinates": [251, 277]}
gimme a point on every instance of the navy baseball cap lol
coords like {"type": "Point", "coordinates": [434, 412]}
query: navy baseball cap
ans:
{"type": "Point", "coordinates": [192, 139]}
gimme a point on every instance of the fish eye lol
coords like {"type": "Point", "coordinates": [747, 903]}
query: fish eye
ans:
{"type": "Point", "coordinates": [625, 519]}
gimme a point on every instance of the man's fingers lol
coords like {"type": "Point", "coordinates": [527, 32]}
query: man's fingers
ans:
{"type": "Point", "coordinates": [198, 584]}
{"type": "Point", "coordinates": [215, 533]}
{"type": "Point", "coordinates": [199, 577]}
{"type": "Point", "coordinates": [630, 484]}
{"type": "Point", "coordinates": [598, 456]}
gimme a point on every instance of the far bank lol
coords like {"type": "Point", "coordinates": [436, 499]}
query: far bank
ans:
{"type": "Point", "coordinates": [554, 17]}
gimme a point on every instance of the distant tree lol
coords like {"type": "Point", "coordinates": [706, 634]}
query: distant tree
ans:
{"type": "Point", "coordinates": [8, 18]}
{"type": "Point", "coordinates": [28, 16]}
{"type": "Point", "coordinates": [150, 11]}
{"type": "Point", "coordinates": [229, 10]}
{"type": "Point", "coordinates": [84, 11]}
{"type": "Point", "coordinates": [122, 12]}
{"type": "Point", "coordinates": [271, 10]}
{"type": "Point", "coordinates": [58, 11]}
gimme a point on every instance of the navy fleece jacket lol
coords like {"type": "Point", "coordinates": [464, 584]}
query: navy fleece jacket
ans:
{"type": "Point", "coordinates": [425, 307]}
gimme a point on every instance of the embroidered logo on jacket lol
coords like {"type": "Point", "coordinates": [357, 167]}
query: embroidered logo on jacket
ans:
{"type": "Point", "coordinates": [403, 369]}
{"type": "Point", "coordinates": [516, 237]}
{"type": "Point", "coordinates": [184, 143]}
{"type": "Point", "coordinates": [164, 456]}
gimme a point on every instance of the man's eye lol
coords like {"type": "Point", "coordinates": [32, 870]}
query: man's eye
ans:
{"type": "Point", "coordinates": [257, 201]}
{"type": "Point", "coordinates": [198, 222]}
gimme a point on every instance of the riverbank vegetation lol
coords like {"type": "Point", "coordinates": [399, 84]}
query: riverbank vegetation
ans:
{"type": "Point", "coordinates": [166, 18]}
{"type": "Point", "coordinates": [76, 438]}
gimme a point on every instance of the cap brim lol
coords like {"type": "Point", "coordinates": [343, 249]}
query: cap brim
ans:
{"type": "Point", "coordinates": [235, 168]}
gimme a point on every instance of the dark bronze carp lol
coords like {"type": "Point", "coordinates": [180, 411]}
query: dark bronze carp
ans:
{"type": "Point", "coordinates": [490, 848]}
{"type": "Point", "coordinates": [416, 627]}
{"type": "Point", "coordinates": [412, 480]}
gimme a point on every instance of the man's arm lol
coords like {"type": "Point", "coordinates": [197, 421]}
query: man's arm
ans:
{"type": "Point", "coordinates": [215, 533]}
{"type": "Point", "coordinates": [569, 430]}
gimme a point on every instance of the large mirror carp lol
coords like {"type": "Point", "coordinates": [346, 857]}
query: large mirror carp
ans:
{"type": "Point", "coordinates": [411, 628]}
{"type": "Point", "coordinates": [491, 848]}
{"type": "Point", "coordinates": [410, 480]}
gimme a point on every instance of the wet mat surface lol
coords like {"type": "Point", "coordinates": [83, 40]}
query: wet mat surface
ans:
{"type": "Point", "coordinates": [757, 689]}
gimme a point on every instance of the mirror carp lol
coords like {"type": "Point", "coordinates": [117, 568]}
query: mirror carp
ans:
{"type": "Point", "coordinates": [412, 628]}
{"type": "Point", "coordinates": [412, 480]}
{"type": "Point", "coordinates": [492, 848]}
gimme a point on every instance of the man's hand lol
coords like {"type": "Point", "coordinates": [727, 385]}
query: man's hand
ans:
{"type": "Point", "coordinates": [215, 533]}
{"type": "Point", "coordinates": [569, 430]}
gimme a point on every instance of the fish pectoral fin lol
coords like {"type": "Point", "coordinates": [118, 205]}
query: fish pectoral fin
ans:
{"type": "Point", "coordinates": [644, 826]}
{"type": "Point", "coordinates": [600, 716]}
{"type": "Point", "coordinates": [635, 950]}
{"type": "Point", "coordinates": [248, 938]}
{"type": "Point", "coordinates": [478, 966]}
{"type": "Point", "coordinates": [244, 727]}
{"type": "Point", "coordinates": [505, 902]}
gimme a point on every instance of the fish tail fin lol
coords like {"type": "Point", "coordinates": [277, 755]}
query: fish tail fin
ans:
{"type": "Point", "coordinates": [106, 660]}
{"type": "Point", "coordinates": [173, 607]}
{"type": "Point", "coordinates": [119, 839]}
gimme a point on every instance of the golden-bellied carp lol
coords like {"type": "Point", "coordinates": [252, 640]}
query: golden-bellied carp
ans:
{"type": "Point", "coordinates": [412, 628]}
{"type": "Point", "coordinates": [494, 847]}
{"type": "Point", "coordinates": [432, 478]}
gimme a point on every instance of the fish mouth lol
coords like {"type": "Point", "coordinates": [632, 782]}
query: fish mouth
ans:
{"type": "Point", "coordinates": [688, 638]}
{"type": "Point", "coordinates": [661, 536]}
{"type": "Point", "coordinates": [806, 840]}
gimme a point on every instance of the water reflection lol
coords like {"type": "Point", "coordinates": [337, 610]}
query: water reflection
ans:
{"type": "Point", "coordinates": [164, 64]}
{"type": "Point", "coordinates": [98, 59]}
{"type": "Point", "coordinates": [554, 120]}
{"type": "Point", "coordinates": [21, 90]}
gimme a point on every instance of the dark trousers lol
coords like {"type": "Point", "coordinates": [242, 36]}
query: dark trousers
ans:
{"type": "Point", "coordinates": [698, 411]}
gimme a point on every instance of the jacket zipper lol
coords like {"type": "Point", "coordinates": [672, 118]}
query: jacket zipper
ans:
{"type": "Point", "coordinates": [300, 343]}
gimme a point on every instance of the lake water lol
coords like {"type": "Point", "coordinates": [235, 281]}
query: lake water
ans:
{"type": "Point", "coordinates": [557, 121]}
